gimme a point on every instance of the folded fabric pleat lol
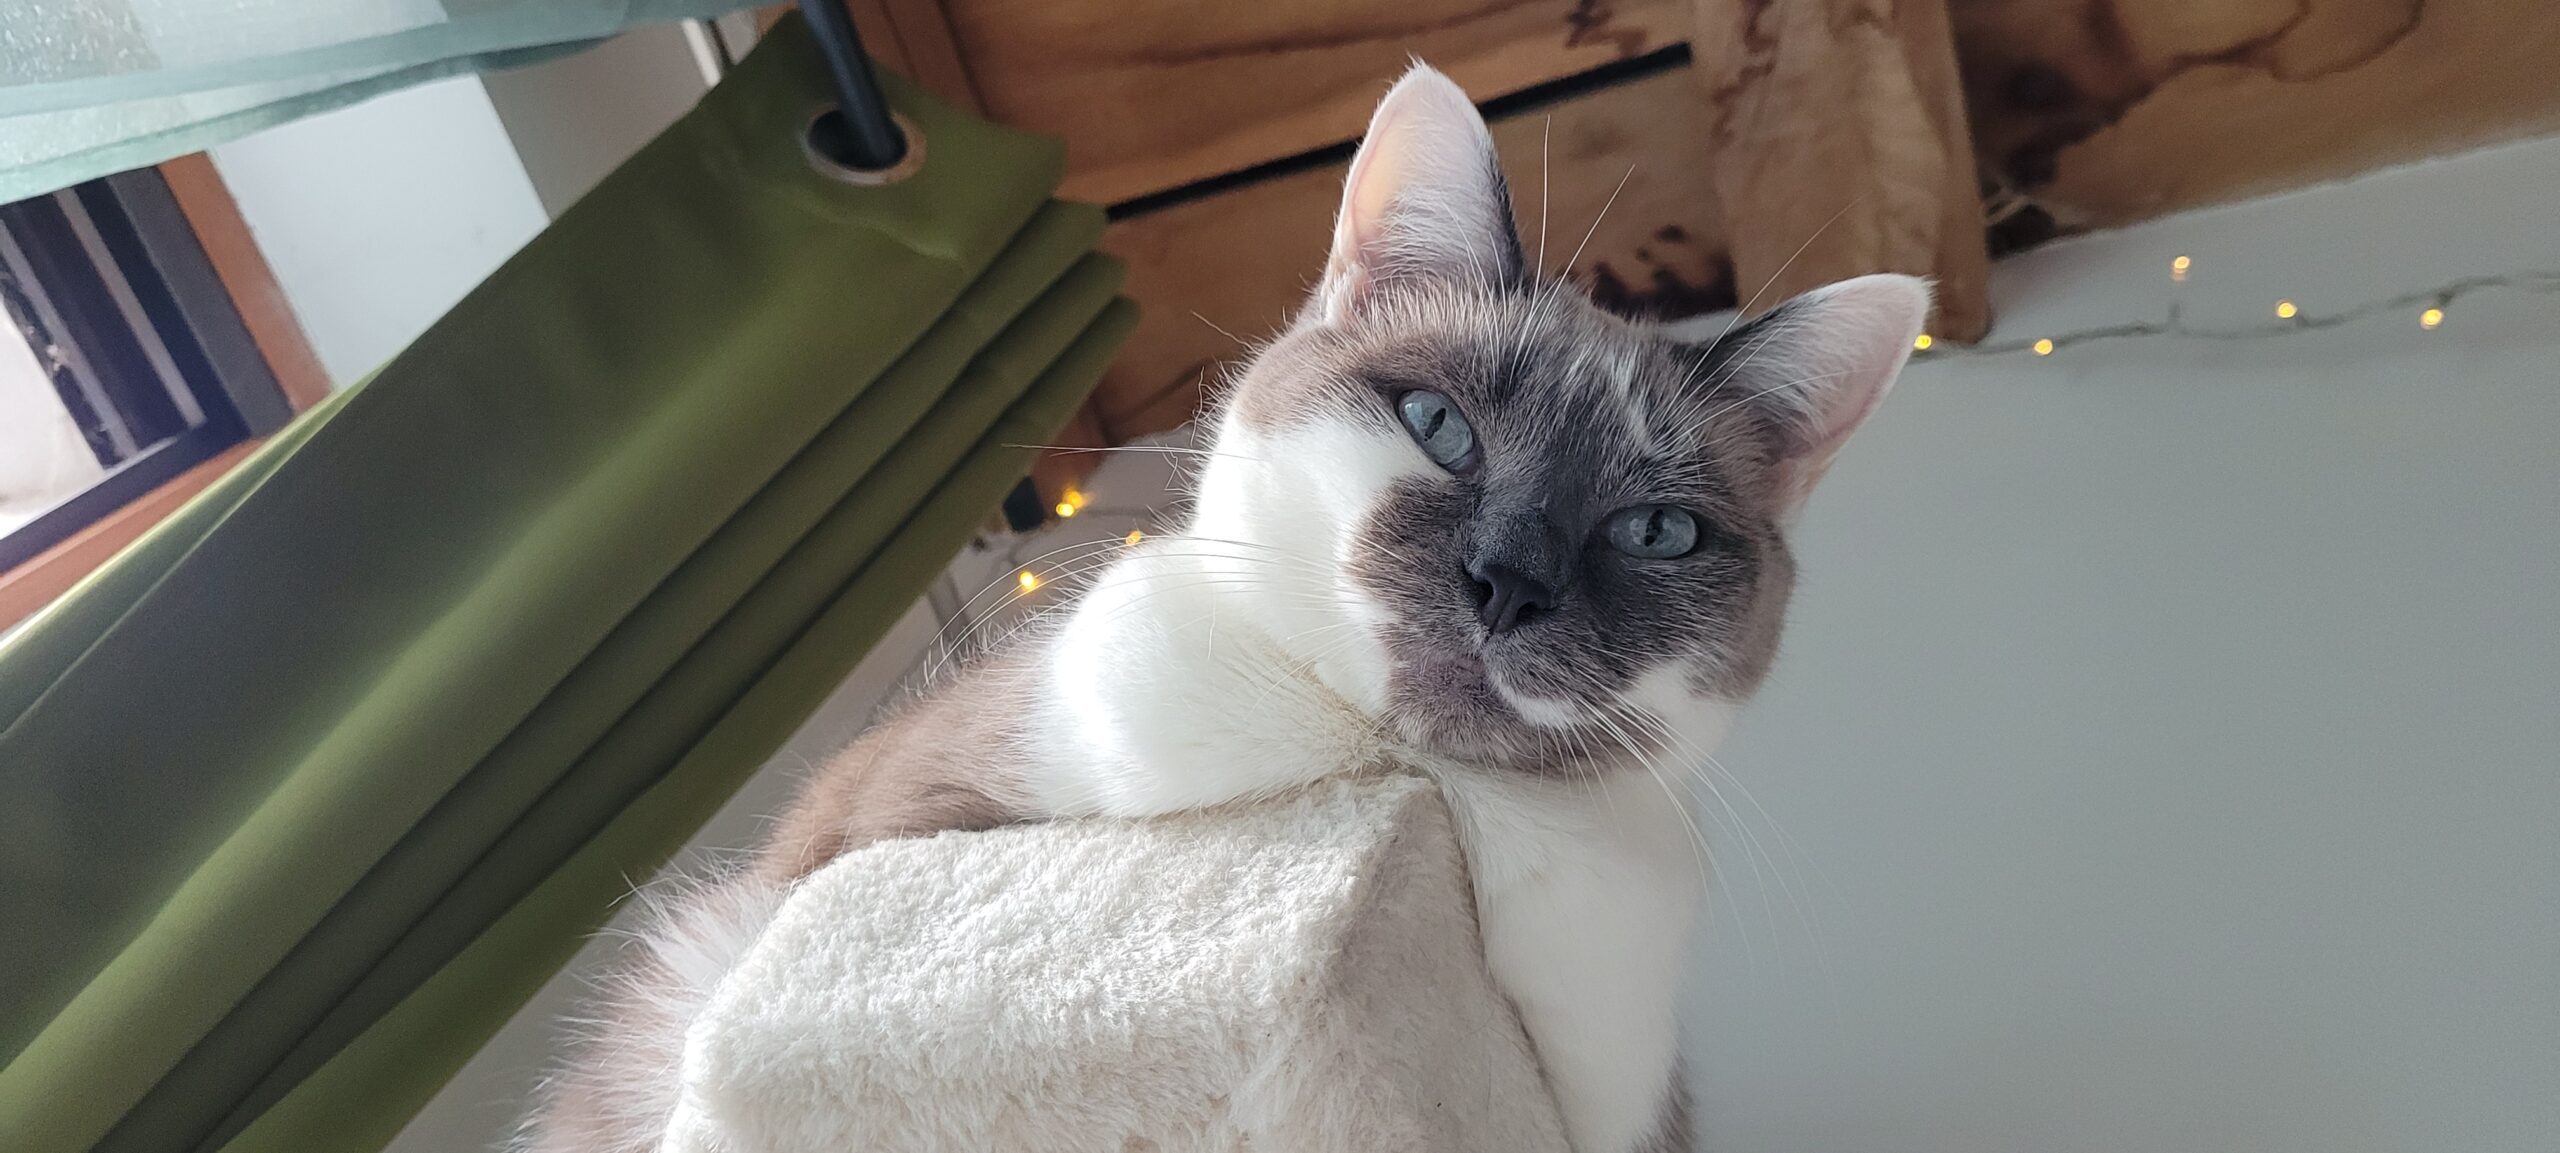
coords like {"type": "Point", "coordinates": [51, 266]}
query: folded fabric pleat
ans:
{"type": "Point", "coordinates": [361, 1096]}
{"type": "Point", "coordinates": [281, 766]}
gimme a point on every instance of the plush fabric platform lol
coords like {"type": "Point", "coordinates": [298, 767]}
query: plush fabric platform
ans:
{"type": "Point", "coordinates": [1299, 975]}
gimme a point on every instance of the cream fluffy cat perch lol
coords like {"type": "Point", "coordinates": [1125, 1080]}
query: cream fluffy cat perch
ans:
{"type": "Point", "coordinates": [1299, 975]}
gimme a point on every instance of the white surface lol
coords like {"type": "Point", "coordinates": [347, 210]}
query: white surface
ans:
{"type": "Point", "coordinates": [1299, 974]}
{"type": "Point", "coordinates": [376, 218]}
{"type": "Point", "coordinates": [2167, 731]}
{"type": "Point", "coordinates": [43, 460]}
{"type": "Point", "coordinates": [575, 119]}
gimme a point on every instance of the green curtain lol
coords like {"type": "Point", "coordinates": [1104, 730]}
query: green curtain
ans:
{"type": "Point", "coordinates": [308, 791]}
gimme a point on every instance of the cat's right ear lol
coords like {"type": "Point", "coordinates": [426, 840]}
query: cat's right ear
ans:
{"type": "Point", "coordinates": [1816, 367]}
{"type": "Point", "coordinates": [1425, 198]}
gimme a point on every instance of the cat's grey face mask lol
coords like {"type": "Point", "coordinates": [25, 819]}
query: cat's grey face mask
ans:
{"type": "Point", "coordinates": [1563, 523]}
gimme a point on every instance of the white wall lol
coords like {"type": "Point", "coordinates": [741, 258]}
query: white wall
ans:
{"type": "Point", "coordinates": [43, 460]}
{"type": "Point", "coordinates": [2168, 739]}
{"type": "Point", "coordinates": [377, 217]}
{"type": "Point", "coordinates": [573, 120]}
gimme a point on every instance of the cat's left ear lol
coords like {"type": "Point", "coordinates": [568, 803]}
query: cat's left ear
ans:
{"type": "Point", "coordinates": [1817, 366]}
{"type": "Point", "coordinates": [1425, 198]}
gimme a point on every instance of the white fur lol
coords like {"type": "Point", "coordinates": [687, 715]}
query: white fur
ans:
{"type": "Point", "coordinates": [1176, 683]}
{"type": "Point", "coordinates": [1585, 896]}
{"type": "Point", "coordinates": [1300, 976]}
{"type": "Point", "coordinates": [1234, 661]}
{"type": "Point", "coordinates": [1544, 712]}
{"type": "Point", "coordinates": [1424, 159]}
{"type": "Point", "coordinates": [1584, 892]}
{"type": "Point", "coordinates": [694, 934]}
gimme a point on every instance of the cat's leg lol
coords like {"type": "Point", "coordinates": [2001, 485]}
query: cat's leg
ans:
{"type": "Point", "coordinates": [1586, 900]}
{"type": "Point", "coordinates": [618, 1088]}
{"type": "Point", "coordinates": [1671, 1127]}
{"type": "Point", "coordinates": [944, 763]}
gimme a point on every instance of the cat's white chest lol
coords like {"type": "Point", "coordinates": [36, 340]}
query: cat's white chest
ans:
{"type": "Point", "coordinates": [1584, 889]}
{"type": "Point", "coordinates": [1585, 893]}
{"type": "Point", "coordinates": [1164, 692]}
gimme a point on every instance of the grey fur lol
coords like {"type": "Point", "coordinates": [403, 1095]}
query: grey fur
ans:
{"type": "Point", "coordinates": [1577, 414]}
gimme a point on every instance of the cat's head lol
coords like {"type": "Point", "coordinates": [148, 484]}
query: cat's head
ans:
{"type": "Point", "coordinates": [1518, 529]}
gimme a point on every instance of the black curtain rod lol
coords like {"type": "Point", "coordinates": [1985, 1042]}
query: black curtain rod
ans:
{"type": "Point", "coordinates": [864, 136]}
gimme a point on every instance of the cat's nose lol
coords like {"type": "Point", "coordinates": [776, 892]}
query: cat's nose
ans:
{"type": "Point", "coordinates": [1505, 596]}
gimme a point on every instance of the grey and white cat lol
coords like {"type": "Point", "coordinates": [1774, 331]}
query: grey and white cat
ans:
{"type": "Point", "coordinates": [1455, 519]}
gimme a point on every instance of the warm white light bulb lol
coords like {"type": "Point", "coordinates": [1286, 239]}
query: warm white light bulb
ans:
{"type": "Point", "coordinates": [1923, 341]}
{"type": "Point", "coordinates": [2431, 318]}
{"type": "Point", "coordinates": [2044, 347]}
{"type": "Point", "coordinates": [1028, 580]}
{"type": "Point", "coordinates": [2285, 310]}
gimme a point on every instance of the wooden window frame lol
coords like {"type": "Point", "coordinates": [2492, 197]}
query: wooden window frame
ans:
{"type": "Point", "coordinates": [206, 209]}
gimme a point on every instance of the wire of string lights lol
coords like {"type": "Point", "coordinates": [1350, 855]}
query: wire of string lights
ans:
{"type": "Point", "coordinates": [2428, 308]}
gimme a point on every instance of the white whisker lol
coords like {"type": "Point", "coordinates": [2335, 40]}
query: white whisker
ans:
{"type": "Point", "coordinates": [1790, 262]}
{"type": "Point", "coordinates": [1594, 230]}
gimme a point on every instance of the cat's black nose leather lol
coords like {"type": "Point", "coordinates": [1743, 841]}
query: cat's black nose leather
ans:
{"type": "Point", "coordinates": [1506, 596]}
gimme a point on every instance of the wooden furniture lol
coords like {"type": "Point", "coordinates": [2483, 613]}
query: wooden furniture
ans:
{"type": "Point", "coordinates": [1764, 146]}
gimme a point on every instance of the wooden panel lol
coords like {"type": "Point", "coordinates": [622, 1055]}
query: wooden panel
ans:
{"type": "Point", "coordinates": [50, 573]}
{"type": "Point", "coordinates": [243, 271]}
{"type": "Point", "coordinates": [908, 37]}
{"type": "Point", "coordinates": [1839, 148]}
{"type": "Point", "coordinates": [242, 268]}
{"type": "Point", "coordinates": [1214, 273]}
{"type": "Point", "coordinates": [2109, 111]}
{"type": "Point", "coordinates": [1154, 94]}
{"type": "Point", "coordinates": [913, 39]}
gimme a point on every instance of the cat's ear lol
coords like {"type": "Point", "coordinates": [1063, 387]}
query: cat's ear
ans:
{"type": "Point", "coordinates": [1817, 367]}
{"type": "Point", "coordinates": [1424, 198]}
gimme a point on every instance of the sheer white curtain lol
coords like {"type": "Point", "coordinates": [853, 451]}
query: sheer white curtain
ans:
{"type": "Point", "coordinates": [90, 87]}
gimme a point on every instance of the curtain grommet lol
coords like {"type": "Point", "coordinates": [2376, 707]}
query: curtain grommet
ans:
{"type": "Point", "coordinates": [828, 166]}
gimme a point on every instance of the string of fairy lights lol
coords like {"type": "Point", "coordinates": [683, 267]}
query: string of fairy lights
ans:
{"type": "Point", "coordinates": [2429, 308]}
{"type": "Point", "coordinates": [1071, 503]}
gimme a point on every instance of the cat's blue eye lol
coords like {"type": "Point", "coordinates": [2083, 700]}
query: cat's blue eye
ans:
{"type": "Point", "coordinates": [1653, 531]}
{"type": "Point", "coordinates": [1437, 427]}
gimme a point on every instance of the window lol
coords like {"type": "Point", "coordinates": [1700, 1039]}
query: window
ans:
{"type": "Point", "coordinates": [126, 362]}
